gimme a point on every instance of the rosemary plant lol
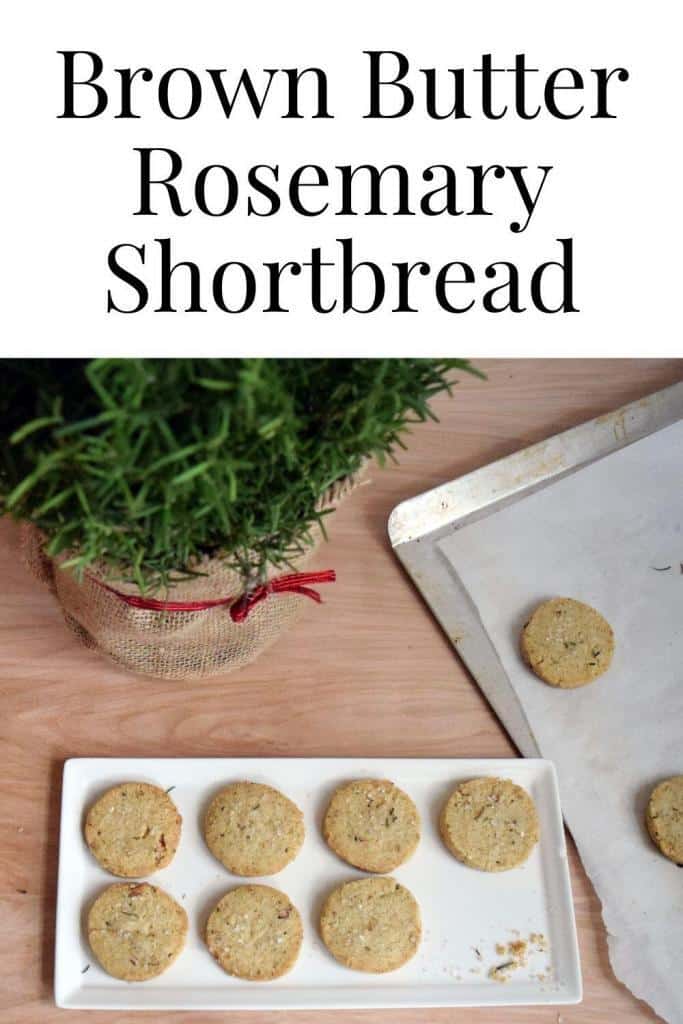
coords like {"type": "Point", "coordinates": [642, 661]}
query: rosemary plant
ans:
{"type": "Point", "coordinates": [144, 466]}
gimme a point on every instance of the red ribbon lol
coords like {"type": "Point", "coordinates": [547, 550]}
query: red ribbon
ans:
{"type": "Point", "coordinates": [296, 583]}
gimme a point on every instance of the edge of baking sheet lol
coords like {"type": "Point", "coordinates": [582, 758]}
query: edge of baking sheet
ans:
{"type": "Point", "coordinates": [417, 525]}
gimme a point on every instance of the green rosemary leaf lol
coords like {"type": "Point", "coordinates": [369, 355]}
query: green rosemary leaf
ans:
{"type": "Point", "coordinates": [215, 385]}
{"type": "Point", "coordinates": [149, 465]}
{"type": "Point", "coordinates": [190, 474]}
{"type": "Point", "coordinates": [32, 426]}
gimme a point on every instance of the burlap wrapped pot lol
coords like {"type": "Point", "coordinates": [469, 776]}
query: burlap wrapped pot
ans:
{"type": "Point", "coordinates": [181, 644]}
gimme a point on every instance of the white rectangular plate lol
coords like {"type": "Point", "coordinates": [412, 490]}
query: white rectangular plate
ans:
{"type": "Point", "coordinates": [463, 910]}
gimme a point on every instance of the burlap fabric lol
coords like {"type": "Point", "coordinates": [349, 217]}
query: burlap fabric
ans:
{"type": "Point", "coordinates": [174, 645]}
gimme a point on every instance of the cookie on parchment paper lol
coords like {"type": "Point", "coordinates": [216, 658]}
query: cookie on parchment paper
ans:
{"type": "Point", "coordinates": [664, 818]}
{"type": "Point", "coordinates": [567, 643]}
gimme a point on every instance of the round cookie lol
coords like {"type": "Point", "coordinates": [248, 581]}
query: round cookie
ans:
{"type": "Point", "coordinates": [372, 924]}
{"type": "Point", "coordinates": [664, 818]}
{"type": "Point", "coordinates": [133, 830]}
{"type": "Point", "coordinates": [255, 933]}
{"type": "Point", "coordinates": [490, 824]}
{"type": "Point", "coordinates": [253, 829]}
{"type": "Point", "coordinates": [567, 643]}
{"type": "Point", "coordinates": [372, 824]}
{"type": "Point", "coordinates": [135, 930]}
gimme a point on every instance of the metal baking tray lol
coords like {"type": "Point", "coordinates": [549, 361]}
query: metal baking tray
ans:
{"type": "Point", "coordinates": [417, 525]}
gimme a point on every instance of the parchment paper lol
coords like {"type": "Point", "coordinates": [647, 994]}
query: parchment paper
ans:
{"type": "Point", "coordinates": [601, 535]}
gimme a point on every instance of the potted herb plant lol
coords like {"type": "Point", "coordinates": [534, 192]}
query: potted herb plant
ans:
{"type": "Point", "coordinates": [171, 504]}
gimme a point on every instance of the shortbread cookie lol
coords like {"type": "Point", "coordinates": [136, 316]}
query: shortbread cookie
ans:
{"type": "Point", "coordinates": [135, 930]}
{"type": "Point", "coordinates": [372, 924]}
{"type": "Point", "coordinates": [490, 824]}
{"type": "Point", "coordinates": [253, 829]}
{"type": "Point", "coordinates": [567, 643]}
{"type": "Point", "coordinates": [372, 824]}
{"type": "Point", "coordinates": [255, 933]}
{"type": "Point", "coordinates": [134, 829]}
{"type": "Point", "coordinates": [664, 818]}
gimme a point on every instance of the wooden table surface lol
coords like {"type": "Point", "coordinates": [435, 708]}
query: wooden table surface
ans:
{"type": "Point", "coordinates": [368, 673]}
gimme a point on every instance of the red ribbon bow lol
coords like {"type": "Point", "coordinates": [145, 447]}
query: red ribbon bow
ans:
{"type": "Point", "coordinates": [296, 583]}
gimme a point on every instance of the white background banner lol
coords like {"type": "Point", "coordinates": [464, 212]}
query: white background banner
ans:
{"type": "Point", "coordinates": [490, 194]}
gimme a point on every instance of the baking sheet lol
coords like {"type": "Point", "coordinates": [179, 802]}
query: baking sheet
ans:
{"type": "Point", "coordinates": [610, 534]}
{"type": "Point", "coordinates": [463, 910]}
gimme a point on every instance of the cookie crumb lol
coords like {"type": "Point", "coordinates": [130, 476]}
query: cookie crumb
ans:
{"type": "Point", "coordinates": [517, 952]}
{"type": "Point", "coordinates": [539, 940]}
{"type": "Point", "coordinates": [501, 972]}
